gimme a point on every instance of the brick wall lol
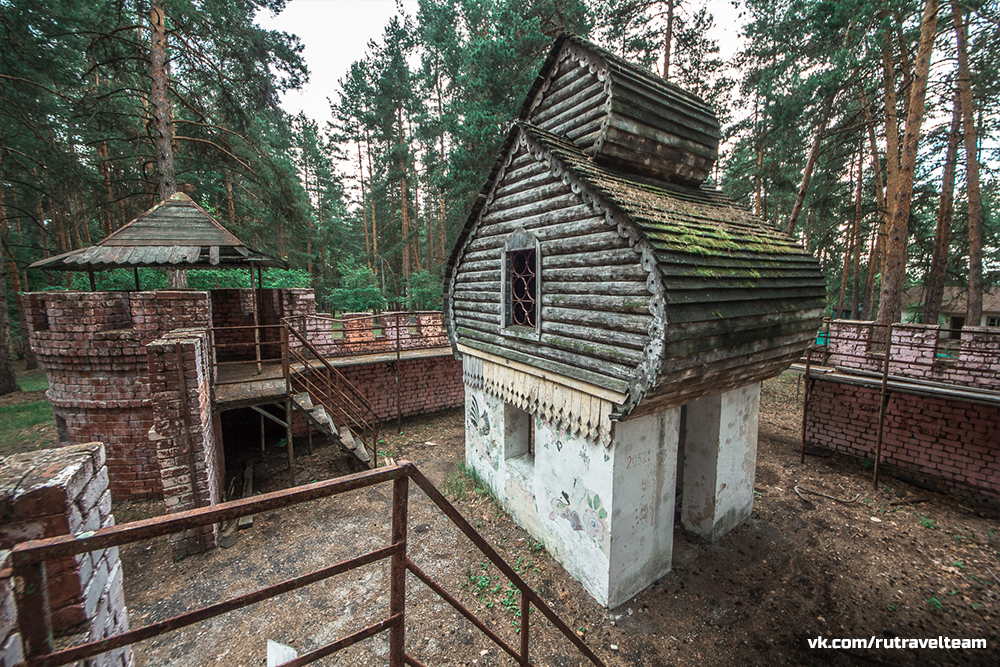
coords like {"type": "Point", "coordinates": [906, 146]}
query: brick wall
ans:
{"type": "Point", "coordinates": [954, 442]}
{"type": "Point", "coordinates": [184, 430]}
{"type": "Point", "coordinates": [429, 385]}
{"type": "Point", "coordinates": [56, 492]}
{"type": "Point", "coordinates": [91, 346]}
{"type": "Point", "coordinates": [918, 352]}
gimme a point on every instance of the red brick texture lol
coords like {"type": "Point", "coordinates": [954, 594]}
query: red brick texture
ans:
{"type": "Point", "coordinates": [184, 430]}
{"type": "Point", "coordinates": [955, 442]}
{"type": "Point", "coordinates": [91, 344]}
{"type": "Point", "coordinates": [56, 492]}
{"type": "Point", "coordinates": [428, 385]}
{"type": "Point", "coordinates": [918, 352]}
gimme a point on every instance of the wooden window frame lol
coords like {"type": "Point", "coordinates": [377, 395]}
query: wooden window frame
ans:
{"type": "Point", "coordinates": [520, 241]}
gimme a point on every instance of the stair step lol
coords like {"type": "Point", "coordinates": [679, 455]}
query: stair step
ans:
{"type": "Point", "coordinates": [303, 400]}
{"type": "Point", "coordinates": [320, 414]}
{"type": "Point", "coordinates": [348, 438]}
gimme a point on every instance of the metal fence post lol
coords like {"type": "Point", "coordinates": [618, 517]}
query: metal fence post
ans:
{"type": "Point", "coordinates": [525, 611]}
{"type": "Point", "coordinates": [33, 601]}
{"type": "Point", "coordinates": [397, 581]}
{"type": "Point", "coordinates": [883, 404]}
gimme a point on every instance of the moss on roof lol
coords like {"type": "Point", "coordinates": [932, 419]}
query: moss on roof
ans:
{"type": "Point", "coordinates": [680, 220]}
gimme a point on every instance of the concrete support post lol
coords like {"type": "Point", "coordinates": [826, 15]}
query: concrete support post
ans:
{"type": "Point", "coordinates": [720, 458]}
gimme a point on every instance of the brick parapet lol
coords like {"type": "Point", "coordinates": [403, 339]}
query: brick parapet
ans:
{"type": "Point", "coordinates": [91, 345]}
{"type": "Point", "coordinates": [57, 492]}
{"type": "Point", "coordinates": [918, 351]}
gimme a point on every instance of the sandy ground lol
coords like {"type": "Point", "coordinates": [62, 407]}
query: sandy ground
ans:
{"type": "Point", "coordinates": [793, 571]}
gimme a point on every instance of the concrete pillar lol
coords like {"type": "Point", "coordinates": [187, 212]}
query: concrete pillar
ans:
{"type": "Point", "coordinates": [642, 503]}
{"type": "Point", "coordinates": [720, 458]}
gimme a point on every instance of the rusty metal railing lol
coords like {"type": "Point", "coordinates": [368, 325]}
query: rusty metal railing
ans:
{"type": "Point", "coordinates": [905, 358]}
{"type": "Point", "coordinates": [28, 560]}
{"type": "Point", "coordinates": [327, 386]}
{"type": "Point", "coordinates": [356, 334]}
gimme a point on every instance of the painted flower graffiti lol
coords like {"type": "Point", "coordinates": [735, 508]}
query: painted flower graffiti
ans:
{"type": "Point", "coordinates": [585, 515]}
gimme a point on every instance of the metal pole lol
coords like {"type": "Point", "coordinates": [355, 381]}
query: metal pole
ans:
{"type": "Point", "coordinates": [262, 437]}
{"type": "Point", "coordinates": [883, 404]}
{"type": "Point", "coordinates": [288, 439]}
{"type": "Point", "coordinates": [33, 601]}
{"type": "Point", "coordinates": [399, 381]}
{"type": "Point", "coordinates": [805, 404]}
{"type": "Point", "coordinates": [256, 319]}
{"type": "Point", "coordinates": [397, 581]}
{"type": "Point", "coordinates": [525, 610]}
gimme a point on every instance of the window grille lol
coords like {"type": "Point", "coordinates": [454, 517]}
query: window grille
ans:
{"type": "Point", "coordinates": [523, 288]}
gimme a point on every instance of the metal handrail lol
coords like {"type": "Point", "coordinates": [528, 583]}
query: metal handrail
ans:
{"type": "Point", "coordinates": [362, 413]}
{"type": "Point", "coordinates": [28, 560]}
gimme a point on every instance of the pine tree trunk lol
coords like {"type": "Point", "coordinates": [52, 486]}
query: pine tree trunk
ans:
{"type": "Point", "coordinates": [102, 152]}
{"type": "Point", "coordinates": [856, 240]}
{"type": "Point", "coordinates": [891, 135]}
{"type": "Point", "coordinates": [890, 300]}
{"type": "Point", "coordinates": [230, 205]}
{"type": "Point", "coordinates": [8, 380]}
{"type": "Point", "coordinates": [364, 208]}
{"type": "Point", "coordinates": [810, 163]}
{"type": "Point", "coordinates": [668, 38]}
{"type": "Point", "coordinates": [934, 283]}
{"type": "Point", "coordinates": [163, 133]}
{"type": "Point", "coordinates": [974, 313]}
{"type": "Point", "coordinates": [875, 258]}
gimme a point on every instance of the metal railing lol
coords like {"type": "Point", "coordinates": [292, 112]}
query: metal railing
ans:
{"type": "Point", "coordinates": [919, 359]}
{"type": "Point", "coordinates": [29, 558]}
{"type": "Point", "coordinates": [355, 334]}
{"type": "Point", "coordinates": [328, 387]}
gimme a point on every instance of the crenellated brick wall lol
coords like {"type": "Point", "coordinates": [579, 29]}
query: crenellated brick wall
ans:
{"type": "Point", "coordinates": [57, 492]}
{"type": "Point", "coordinates": [91, 346]}
{"type": "Point", "coordinates": [917, 351]}
{"type": "Point", "coordinates": [954, 442]}
{"type": "Point", "coordinates": [184, 430]}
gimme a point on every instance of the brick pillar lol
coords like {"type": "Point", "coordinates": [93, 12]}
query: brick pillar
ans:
{"type": "Point", "coordinates": [183, 430]}
{"type": "Point", "coordinates": [57, 492]}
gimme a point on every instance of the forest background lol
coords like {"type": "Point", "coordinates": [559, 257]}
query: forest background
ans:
{"type": "Point", "coordinates": [866, 128]}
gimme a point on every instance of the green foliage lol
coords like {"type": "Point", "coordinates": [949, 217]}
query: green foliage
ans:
{"type": "Point", "coordinates": [426, 291]}
{"type": "Point", "coordinates": [927, 522]}
{"type": "Point", "coordinates": [359, 292]}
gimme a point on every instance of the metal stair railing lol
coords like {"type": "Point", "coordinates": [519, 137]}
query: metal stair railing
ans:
{"type": "Point", "coordinates": [28, 560]}
{"type": "Point", "coordinates": [327, 386]}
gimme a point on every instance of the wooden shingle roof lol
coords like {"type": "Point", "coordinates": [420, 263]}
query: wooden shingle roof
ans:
{"type": "Point", "coordinates": [176, 233]}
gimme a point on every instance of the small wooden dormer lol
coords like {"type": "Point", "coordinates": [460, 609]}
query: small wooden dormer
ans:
{"type": "Point", "coordinates": [623, 116]}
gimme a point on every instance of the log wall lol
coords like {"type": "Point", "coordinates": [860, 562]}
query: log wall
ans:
{"type": "Point", "coordinates": [594, 305]}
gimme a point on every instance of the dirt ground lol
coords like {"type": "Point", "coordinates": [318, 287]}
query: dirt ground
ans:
{"type": "Point", "coordinates": [795, 570]}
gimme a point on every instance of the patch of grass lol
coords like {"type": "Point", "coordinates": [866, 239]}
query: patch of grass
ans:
{"type": "Point", "coordinates": [25, 427]}
{"type": "Point", "coordinates": [33, 381]}
{"type": "Point", "coordinates": [927, 522]}
{"type": "Point", "coordinates": [464, 481]}
{"type": "Point", "coordinates": [935, 604]}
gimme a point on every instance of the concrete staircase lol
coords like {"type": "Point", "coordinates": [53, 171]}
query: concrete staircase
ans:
{"type": "Point", "coordinates": [320, 417]}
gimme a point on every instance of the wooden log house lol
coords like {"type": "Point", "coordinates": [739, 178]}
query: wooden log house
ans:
{"type": "Point", "coordinates": [615, 317]}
